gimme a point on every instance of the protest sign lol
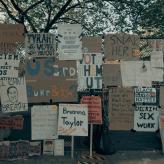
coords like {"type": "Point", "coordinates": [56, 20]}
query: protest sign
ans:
{"type": "Point", "coordinates": [156, 44]}
{"type": "Point", "coordinates": [59, 147]}
{"type": "Point", "coordinates": [4, 149]}
{"type": "Point", "coordinates": [90, 71]}
{"type": "Point", "coordinates": [146, 118]}
{"type": "Point", "coordinates": [112, 75]}
{"type": "Point", "coordinates": [35, 148]}
{"type": "Point", "coordinates": [9, 64]}
{"type": "Point", "coordinates": [70, 44]}
{"type": "Point", "coordinates": [44, 122]}
{"type": "Point", "coordinates": [94, 109]}
{"type": "Point", "coordinates": [10, 35]}
{"type": "Point", "coordinates": [48, 147]}
{"type": "Point", "coordinates": [145, 95]}
{"type": "Point", "coordinates": [157, 59]}
{"type": "Point", "coordinates": [40, 44]}
{"type": "Point", "coordinates": [120, 108]}
{"type": "Point", "coordinates": [13, 95]}
{"type": "Point", "coordinates": [91, 44]}
{"type": "Point", "coordinates": [73, 120]}
{"type": "Point", "coordinates": [121, 46]}
{"type": "Point", "coordinates": [51, 79]}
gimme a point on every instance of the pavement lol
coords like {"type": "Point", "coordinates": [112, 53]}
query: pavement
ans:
{"type": "Point", "coordinates": [120, 157]}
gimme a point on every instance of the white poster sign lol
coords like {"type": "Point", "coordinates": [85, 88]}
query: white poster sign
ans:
{"type": "Point", "coordinates": [9, 64]}
{"type": "Point", "coordinates": [40, 44]}
{"type": "Point", "coordinates": [70, 44]}
{"type": "Point", "coordinates": [90, 71]}
{"type": "Point", "coordinates": [48, 147]}
{"type": "Point", "coordinates": [59, 147]}
{"type": "Point", "coordinates": [44, 122]}
{"type": "Point", "coordinates": [73, 120]}
{"type": "Point", "coordinates": [157, 59]}
{"type": "Point", "coordinates": [13, 95]}
{"type": "Point", "coordinates": [157, 74]}
{"type": "Point", "coordinates": [146, 118]}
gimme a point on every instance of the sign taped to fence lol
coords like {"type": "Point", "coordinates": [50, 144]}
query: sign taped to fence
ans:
{"type": "Point", "coordinates": [35, 148]}
{"type": "Point", "coordinates": [157, 59]}
{"type": "Point", "coordinates": [51, 79]}
{"type": "Point", "coordinates": [40, 44]}
{"type": "Point", "coordinates": [120, 108]}
{"type": "Point", "coordinates": [145, 95]}
{"type": "Point", "coordinates": [146, 118]}
{"type": "Point", "coordinates": [48, 147]}
{"type": "Point", "coordinates": [90, 71]}
{"type": "Point", "coordinates": [121, 46]}
{"type": "Point", "coordinates": [70, 44]}
{"type": "Point", "coordinates": [112, 75]}
{"type": "Point", "coordinates": [94, 109]}
{"type": "Point", "coordinates": [59, 147]}
{"type": "Point", "coordinates": [13, 95]}
{"type": "Point", "coordinates": [73, 120]}
{"type": "Point", "coordinates": [4, 149]}
{"type": "Point", "coordinates": [44, 122]}
{"type": "Point", "coordinates": [92, 44]}
{"type": "Point", "coordinates": [9, 64]}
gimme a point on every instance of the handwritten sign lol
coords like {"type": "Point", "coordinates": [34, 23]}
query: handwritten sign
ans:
{"type": "Point", "coordinates": [73, 120]}
{"type": "Point", "coordinates": [70, 45]}
{"type": "Point", "coordinates": [44, 122]}
{"type": "Point", "coordinates": [59, 147]}
{"type": "Point", "coordinates": [121, 46]}
{"type": "Point", "coordinates": [90, 71]}
{"type": "Point", "coordinates": [48, 147]}
{"type": "Point", "coordinates": [13, 95]}
{"type": "Point", "coordinates": [40, 44]}
{"type": "Point", "coordinates": [146, 118]}
{"type": "Point", "coordinates": [120, 108]}
{"type": "Point", "coordinates": [51, 79]}
{"type": "Point", "coordinates": [94, 109]}
{"type": "Point", "coordinates": [35, 148]}
{"type": "Point", "coordinates": [145, 95]}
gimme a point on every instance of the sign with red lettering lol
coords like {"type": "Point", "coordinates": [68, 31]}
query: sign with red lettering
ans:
{"type": "Point", "coordinates": [94, 109]}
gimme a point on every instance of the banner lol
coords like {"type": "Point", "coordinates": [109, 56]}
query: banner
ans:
{"type": "Point", "coordinates": [44, 122]}
{"type": "Point", "coordinates": [146, 118]}
{"type": "Point", "coordinates": [120, 108]}
{"type": "Point", "coordinates": [73, 120]}
{"type": "Point", "coordinates": [59, 147]}
{"type": "Point", "coordinates": [13, 95]}
{"type": "Point", "coordinates": [121, 46]}
{"type": "Point", "coordinates": [70, 44]}
{"type": "Point", "coordinates": [90, 71]}
{"type": "Point", "coordinates": [51, 79]}
{"type": "Point", "coordinates": [40, 44]}
{"type": "Point", "coordinates": [35, 148]}
{"type": "Point", "coordinates": [94, 108]}
{"type": "Point", "coordinates": [145, 95]}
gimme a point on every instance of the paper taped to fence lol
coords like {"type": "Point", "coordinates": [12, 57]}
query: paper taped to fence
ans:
{"type": "Point", "coordinates": [59, 147]}
{"type": "Point", "coordinates": [157, 59]}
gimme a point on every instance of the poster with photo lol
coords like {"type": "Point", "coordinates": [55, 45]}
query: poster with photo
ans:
{"type": "Point", "coordinates": [48, 147]}
{"type": "Point", "coordinates": [35, 148]}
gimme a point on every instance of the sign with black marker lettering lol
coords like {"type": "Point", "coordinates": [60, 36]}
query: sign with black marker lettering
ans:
{"type": "Point", "coordinates": [40, 44]}
{"type": "Point", "coordinates": [73, 120]}
{"type": "Point", "coordinates": [13, 95]}
{"type": "Point", "coordinates": [146, 118]}
{"type": "Point", "coordinates": [90, 71]}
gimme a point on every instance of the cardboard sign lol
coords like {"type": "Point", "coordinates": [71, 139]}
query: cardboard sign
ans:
{"type": "Point", "coordinates": [51, 79]}
{"type": "Point", "coordinates": [9, 64]}
{"type": "Point", "coordinates": [70, 45]}
{"type": "Point", "coordinates": [112, 75]}
{"type": "Point", "coordinates": [44, 122]}
{"type": "Point", "coordinates": [13, 122]}
{"type": "Point", "coordinates": [120, 108]}
{"type": "Point", "coordinates": [90, 72]}
{"type": "Point", "coordinates": [13, 95]}
{"type": "Point", "coordinates": [40, 44]}
{"type": "Point", "coordinates": [35, 148]}
{"type": "Point", "coordinates": [146, 118]}
{"type": "Point", "coordinates": [157, 59]}
{"type": "Point", "coordinates": [92, 44]}
{"type": "Point", "coordinates": [73, 120]}
{"type": "Point", "coordinates": [48, 147]}
{"type": "Point", "coordinates": [145, 95]}
{"type": "Point", "coordinates": [121, 46]}
{"type": "Point", "coordinates": [59, 147]}
{"type": "Point", "coordinates": [94, 109]}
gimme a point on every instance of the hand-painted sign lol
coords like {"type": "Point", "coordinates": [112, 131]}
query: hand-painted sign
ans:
{"type": "Point", "coordinates": [40, 44]}
{"type": "Point", "coordinates": [44, 122]}
{"type": "Point", "coordinates": [94, 109]}
{"type": "Point", "coordinates": [73, 120]}
{"type": "Point", "coordinates": [70, 45]}
{"type": "Point", "coordinates": [146, 118]}
{"type": "Point", "coordinates": [90, 71]}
